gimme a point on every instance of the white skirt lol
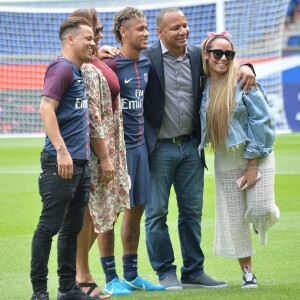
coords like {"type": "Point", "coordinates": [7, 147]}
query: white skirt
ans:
{"type": "Point", "coordinates": [235, 208]}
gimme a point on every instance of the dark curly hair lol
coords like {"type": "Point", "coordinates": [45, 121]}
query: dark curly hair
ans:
{"type": "Point", "coordinates": [122, 16]}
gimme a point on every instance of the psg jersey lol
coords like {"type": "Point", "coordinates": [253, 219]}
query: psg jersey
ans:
{"type": "Point", "coordinates": [133, 78]}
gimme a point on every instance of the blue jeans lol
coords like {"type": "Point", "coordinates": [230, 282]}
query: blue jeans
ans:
{"type": "Point", "coordinates": [64, 202]}
{"type": "Point", "coordinates": [180, 165]}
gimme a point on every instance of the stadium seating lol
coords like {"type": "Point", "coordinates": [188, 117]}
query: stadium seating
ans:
{"type": "Point", "coordinates": [293, 40]}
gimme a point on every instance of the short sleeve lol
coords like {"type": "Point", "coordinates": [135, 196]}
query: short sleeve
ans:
{"type": "Point", "coordinates": [58, 78]}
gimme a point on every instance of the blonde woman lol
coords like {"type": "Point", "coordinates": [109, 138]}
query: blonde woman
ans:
{"type": "Point", "coordinates": [241, 131]}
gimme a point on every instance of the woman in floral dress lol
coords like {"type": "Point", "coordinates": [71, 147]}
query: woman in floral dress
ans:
{"type": "Point", "coordinates": [109, 177]}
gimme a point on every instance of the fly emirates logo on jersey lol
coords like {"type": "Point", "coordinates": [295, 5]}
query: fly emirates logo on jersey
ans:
{"type": "Point", "coordinates": [134, 104]}
{"type": "Point", "coordinates": [81, 103]}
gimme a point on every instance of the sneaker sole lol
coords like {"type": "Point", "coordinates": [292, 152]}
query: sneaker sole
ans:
{"type": "Point", "coordinates": [112, 293]}
{"type": "Point", "coordinates": [198, 286]}
{"type": "Point", "coordinates": [249, 286]}
{"type": "Point", "coordinates": [174, 288]}
{"type": "Point", "coordinates": [132, 287]}
{"type": "Point", "coordinates": [136, 288]}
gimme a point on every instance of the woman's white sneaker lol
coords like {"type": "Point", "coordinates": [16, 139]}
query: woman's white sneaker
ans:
{"type": "Point", "coordinates": [249, 279]}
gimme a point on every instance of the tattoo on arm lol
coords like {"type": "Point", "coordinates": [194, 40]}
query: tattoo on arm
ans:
{"type": "Point", "coordinates": [62, 150]}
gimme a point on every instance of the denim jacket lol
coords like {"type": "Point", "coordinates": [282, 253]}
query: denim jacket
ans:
{"type": "Point", "coordinates": [251, 124]}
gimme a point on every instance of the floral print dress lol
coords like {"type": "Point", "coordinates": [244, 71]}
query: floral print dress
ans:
{"type": "Point", "coordinates": [106, 201]}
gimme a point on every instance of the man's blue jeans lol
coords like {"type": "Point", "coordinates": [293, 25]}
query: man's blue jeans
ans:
{"type": "Point", "coordinates": [178, 164]}
{"type": "Point", "coordinates": [64, 202]}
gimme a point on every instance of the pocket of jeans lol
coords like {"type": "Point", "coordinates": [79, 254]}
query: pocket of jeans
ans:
{"type": "Point", "coordinates": [41, 181]}
{"type": "Point", "coordinates": [44, 179]}
{"type": "Point", "coordinates": [157, 145]}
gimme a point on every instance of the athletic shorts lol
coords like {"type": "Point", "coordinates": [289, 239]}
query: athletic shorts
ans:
{"type": "Point", "coordinates": [138, 175]}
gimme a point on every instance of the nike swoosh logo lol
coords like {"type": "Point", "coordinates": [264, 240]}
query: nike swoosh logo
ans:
{"type": "Point", "coordinates": [127, 80]}
{"type": "Point", "coordinates": [142, 288]}
{"type": "Point", "coordinates": [109, 263]}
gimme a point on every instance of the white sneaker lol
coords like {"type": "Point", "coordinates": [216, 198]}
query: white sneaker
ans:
{"type": "Point", "coordinates": [249, 279]}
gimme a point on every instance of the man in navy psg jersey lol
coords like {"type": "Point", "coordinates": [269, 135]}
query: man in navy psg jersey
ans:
{"type": "Point", "coordinates": [65, 178]}
{"type": "Point", "coordinates": [133, 78]}
{"type": "Point", "coordinates": [130, 29]}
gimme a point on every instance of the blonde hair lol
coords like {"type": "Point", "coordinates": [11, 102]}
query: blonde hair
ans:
{"type": "Point", "coordinates": [221, 100]}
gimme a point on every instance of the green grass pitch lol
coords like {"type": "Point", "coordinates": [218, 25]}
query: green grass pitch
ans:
{"type": "Point", "coordinates": [276, 266]}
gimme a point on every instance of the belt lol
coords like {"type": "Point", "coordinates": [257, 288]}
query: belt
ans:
{"type": "Point", "coordinates": [178, 139]}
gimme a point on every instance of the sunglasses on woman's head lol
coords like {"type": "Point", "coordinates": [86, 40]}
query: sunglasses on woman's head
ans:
{"type": "Point", "coordinates": [99, 30]}
{"type": "Point", "coordinates": [217, 53]}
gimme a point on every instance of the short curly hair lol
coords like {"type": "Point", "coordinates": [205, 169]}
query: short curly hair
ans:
{"type": "Point", "coordinates": [122, 16]}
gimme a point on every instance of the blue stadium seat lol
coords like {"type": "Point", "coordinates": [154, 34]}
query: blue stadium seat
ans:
{"type": "Point", "coordinates": [294, 40]}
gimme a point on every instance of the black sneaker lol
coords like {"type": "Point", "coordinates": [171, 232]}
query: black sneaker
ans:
{"type": "Point", "coordinates": [74, 294]}
{"type": "Point", "coordinates": [249, 279]}
{"type": "Point", "coordinates": [40, 296]}
{"type": "Point", "coordinates": [203, 281]}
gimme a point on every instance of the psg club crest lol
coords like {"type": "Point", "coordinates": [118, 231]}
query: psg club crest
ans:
{"type": "Point", "coordinates": [146, 77]}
